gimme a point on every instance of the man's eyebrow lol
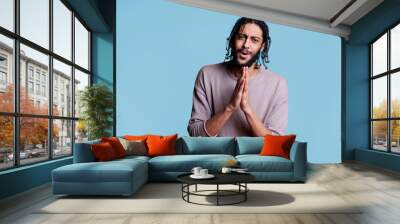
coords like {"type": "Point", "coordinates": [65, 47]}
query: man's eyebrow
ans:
{"type": "Point", "coordinates": [250, 36]}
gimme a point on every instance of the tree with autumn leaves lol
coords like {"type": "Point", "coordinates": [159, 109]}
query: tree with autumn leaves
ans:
{"type": "Point", "coordinates": [33, 131]}
{"type": "Point", "coordinates": [380, 127]}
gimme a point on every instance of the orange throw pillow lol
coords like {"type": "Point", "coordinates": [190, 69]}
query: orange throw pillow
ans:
{"type": "Point", "coordinates": [116, 145]}
{"type": "Point", "coordinates": [103, 151]}
{"type": "Point", "coordinates": [275, 145]}
{"type": "Point", "coordinates": [161, 145]}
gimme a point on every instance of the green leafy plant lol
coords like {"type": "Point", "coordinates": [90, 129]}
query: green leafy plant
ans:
{"type": "Point", "coordinates": [96, 102]}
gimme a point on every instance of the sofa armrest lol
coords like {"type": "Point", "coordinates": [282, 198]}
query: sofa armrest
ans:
{"type": "Point", "coordinates": [298, 155]}
{"type": "Point", "coordinates": [83, 152]}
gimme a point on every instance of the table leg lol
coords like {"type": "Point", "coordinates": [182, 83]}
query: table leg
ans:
{"type": "Point", "coordinates": [245, 193]}
{"type": "Point", "coordinates": [188, 189]}
{"type": "Point", "coordinates": [196, 188]}
{"type": "Point", "coordinates": [217, 194]}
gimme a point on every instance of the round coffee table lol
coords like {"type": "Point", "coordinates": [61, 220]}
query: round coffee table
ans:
{"type": "Point", "coordinates": [238, 179]}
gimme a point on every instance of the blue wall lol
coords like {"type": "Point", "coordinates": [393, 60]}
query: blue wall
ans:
{"type": "Point", "coordinates": [102, 58]}
{"type": "Point", "coordinates": [103, 61]}
{"type": "Point", "coordinates": [162, 45]}
{"type": "Point", "coordinates": [356, 62]}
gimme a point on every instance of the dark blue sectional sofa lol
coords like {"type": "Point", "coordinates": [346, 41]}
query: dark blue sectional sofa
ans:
{"type": "Point", "coordinates": [125, 176]}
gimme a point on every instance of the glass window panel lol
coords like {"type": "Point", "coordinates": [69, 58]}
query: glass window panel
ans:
{"type": "Point", "coordinates": [395, 94]}
{"type": "Point", "coordinates": [395, 47]}
{"type": "Point", "coordinates": [6, 74]}
{"type": "Point", "coordinates": [62, 138]}
{"type": "Point", "coordinates": [31, 58]}
{"type": "Point", "coordinates": [379, 135]}
{"type": "Point", "coordinates": [81, 45]}
{"type": "Point", "coordinates": [7, 14]}
{"type": "Point", "coordinates": [395, 136]}
{"type": "Point", "coordinates": [33, 140]}
{"type": "Point", "coordinates": [6, 142]}
{"type": "Point", "coordinates": [81, 81]}
{"type": "Point", "coordinates": [81, 131]}
{"type": "Point", "coordinates": [62, 89]}
{"type": "Point", "coordinates": [62, 29]}
{"type": "Point", "coordinates": [34, 21]}
{"type": "Point", "coordinates": [379, 55]}
{"type": "Point", "coordinates": [379, 97]}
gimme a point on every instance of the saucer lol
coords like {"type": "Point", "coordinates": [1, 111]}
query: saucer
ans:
{"type": "Point", "coordinates": [208, 176]}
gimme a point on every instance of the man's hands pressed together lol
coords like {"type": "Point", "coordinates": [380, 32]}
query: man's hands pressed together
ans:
{"type": "Point", "coordinates": [240, 95]}
{"type": "Point", "coordinates": [244, 103]}
{"type": "Point", "coordinates": [236, 98]}
{"type": "Point", "coordinates": [239, 99]}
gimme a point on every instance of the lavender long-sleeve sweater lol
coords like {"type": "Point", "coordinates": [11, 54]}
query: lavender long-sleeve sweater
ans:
{"type": "Point", "coordinates": [268, 97]}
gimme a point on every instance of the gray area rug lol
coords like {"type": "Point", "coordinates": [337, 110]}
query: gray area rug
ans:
{"type": "Point", "coordinates": [166, 198]}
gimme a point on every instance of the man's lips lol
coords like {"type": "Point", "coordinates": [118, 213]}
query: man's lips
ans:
{"type": "Point", "coordinates": [244, 54]}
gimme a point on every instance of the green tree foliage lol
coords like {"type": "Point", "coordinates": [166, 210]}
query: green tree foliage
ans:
{"type": "Point", "coordinates": [97, 104]}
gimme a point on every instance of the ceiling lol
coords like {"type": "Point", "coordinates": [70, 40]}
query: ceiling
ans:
{"type": "Point", "coordinates": [326, 16]}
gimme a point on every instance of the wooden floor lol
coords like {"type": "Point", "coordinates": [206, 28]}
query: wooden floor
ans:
{"type": "Point", "coordinates": [378, 188]}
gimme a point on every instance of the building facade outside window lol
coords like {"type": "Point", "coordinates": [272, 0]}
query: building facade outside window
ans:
{"type": "Point", "coordinates": [58, 126]}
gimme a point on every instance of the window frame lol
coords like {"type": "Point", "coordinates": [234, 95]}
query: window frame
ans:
{"type": "Point", "coordinates": [16, 114]}
{"type": "Point", "coordinates": [388, 74]}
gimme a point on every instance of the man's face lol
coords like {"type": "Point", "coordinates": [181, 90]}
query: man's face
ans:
{"type": "Point", "coordinates": [247, 45]}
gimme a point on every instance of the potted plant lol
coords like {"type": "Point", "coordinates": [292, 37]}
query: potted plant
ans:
{"type": "Point", "coordinates": [96, 102]}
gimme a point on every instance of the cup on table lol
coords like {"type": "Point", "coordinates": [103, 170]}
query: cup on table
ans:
{"type": "Point", "coordinates": [226, 170]}
{"type": "Point", "coordinates": [203, 172]}
{"type": "Point", "coordinates": [196, 171]}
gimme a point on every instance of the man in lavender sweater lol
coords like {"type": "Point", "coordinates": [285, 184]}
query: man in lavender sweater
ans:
{"type": "Point", "coordinates": [239, 97]}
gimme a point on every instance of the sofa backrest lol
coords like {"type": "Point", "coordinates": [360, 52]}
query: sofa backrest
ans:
{"type": "Point", "coordinates": [192, 146]}
{"type": "Point", "coordinates": [249, 145]}
{"type": "Point", "coordinates": [206, 145]}
{"type": "Point", "coordinates": [83, 152]}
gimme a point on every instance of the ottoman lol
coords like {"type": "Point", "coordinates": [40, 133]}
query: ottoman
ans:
{"type": "Point", "coordinates": [118, 177]}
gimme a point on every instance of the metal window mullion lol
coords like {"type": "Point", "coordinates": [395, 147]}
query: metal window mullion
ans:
{"type": "Point", "coordinates": [73, 82]}
{"type": "Point", "coordinates": [16, 84]}
{"type": "Point", "coordinates": [50, 81]}
{"type": "Point", "coordinates": [114, 74]}
{"type": "Point", "coordinates": [389, 102]}
{"type": "Point", "coordinates": [371, 134]}
{"type": "Point", "coordinates": [43, 50]}
{"type": "Point", "coordinates": [89, 54]}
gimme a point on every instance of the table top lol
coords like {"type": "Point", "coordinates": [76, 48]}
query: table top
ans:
{"type": "Point", "coordinates": [220, 178]}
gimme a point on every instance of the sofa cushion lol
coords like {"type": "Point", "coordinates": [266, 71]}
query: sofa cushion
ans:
{"type": "Point", "coordinates": [134, 147]}
{"type": "Point", "coordinates": [208, 145]}
{"type": "Point", "coordinates": [161, 145]}
{"type": "Point", "coordinates": [249, 145]}
{"type": "Point", "coordinates": [111, 171]}
{"type": "Point", "coordinates": [132, 158]}
{"type": "Point", "coordinates": [116, 145]}
{"type": "Point", "coordinates": [257, 163]}
{"type": "Point", "coordinates": [277, 145]}
{"type": "Point", "coordinates": [103, 152]}
{"type": "Point", "coordinates": [185, 163]}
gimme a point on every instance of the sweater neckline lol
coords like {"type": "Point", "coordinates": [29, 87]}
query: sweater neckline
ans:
{"type": "Point", "coordinates": [228, 72]}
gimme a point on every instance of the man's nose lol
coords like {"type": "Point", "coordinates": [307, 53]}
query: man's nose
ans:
{"type": "Point", "coordinates": [246, 43]}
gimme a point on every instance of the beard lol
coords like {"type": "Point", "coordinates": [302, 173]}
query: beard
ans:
{"type": "Point", "coordinates": [249, 63]}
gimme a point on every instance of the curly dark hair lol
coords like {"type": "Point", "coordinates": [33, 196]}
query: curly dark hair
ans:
{"type": "Point", "coordinates": [266, 39]}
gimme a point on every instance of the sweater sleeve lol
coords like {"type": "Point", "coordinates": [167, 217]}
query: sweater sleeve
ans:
{"type": "Point", "coordinates": [278, 119]}
{"type": "Point", "coordinates": [201, 109]}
